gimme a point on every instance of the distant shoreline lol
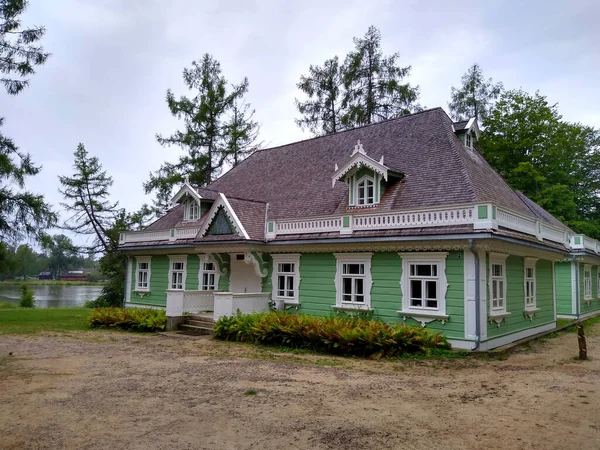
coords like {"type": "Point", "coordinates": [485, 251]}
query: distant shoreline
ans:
{"type": "Point", "coordinates": [51, 283]}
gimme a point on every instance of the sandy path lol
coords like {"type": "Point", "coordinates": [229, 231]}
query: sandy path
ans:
{"type": "Point", "coordinates": [92, 390]}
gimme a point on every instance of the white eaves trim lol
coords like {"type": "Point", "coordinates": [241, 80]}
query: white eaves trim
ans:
{"type": "Point", "coordinates": [222, 201]}
{"type": "Point", "coordinates": [186, 189]}
{"type": "Point", "coordinates": [360, 159]}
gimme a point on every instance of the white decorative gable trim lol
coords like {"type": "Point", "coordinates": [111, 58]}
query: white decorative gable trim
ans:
{"type": "Point", "coordinates": [186, 189]}
{"type": "Point", "coordinates": [358, 159]}
{"type": "Point", "coordinates": [233, 218]}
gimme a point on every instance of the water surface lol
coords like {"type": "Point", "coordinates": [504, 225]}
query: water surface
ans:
{"type": "Point", "coordinates": [52, 296]}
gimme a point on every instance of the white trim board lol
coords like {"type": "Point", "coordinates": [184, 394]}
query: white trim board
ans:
{"type": "Point", "coordinates": [222, 201]}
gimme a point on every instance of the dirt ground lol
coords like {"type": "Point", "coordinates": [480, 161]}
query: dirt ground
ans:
{"type": "Point", "coordinates": [100, 390]}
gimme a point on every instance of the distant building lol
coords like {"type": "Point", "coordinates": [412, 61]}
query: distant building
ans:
{"type": "Point", "coordinates": [45, 276]}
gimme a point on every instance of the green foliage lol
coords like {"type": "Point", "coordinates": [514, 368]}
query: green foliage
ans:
{"type": "Point", "coordinates": [340, 335]}
{"type": "Point", "coordinates": [134, 319]}
{"type": "Point", "coordinates": [366, 88]}
{"type": "Point", "coordinates": [6, 305]}
{"type": "Point", "coordinates": [218, 127]}
{"type": "Point", "coordinates": [475, 97]}
{"type": "Point", "coordinates": [553, 162]}
{"type": "Point", "coordinates": [21, 212]}
{"type": "Point", "coordinates": [27, 299]}
{"type": "Point", "coordinates": [250, 392]}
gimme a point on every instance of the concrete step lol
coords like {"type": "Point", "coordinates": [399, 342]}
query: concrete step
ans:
{"type": "Point", "coordinates": [199, 316]}
{"type": "Point", "coordinates": [199, 323]}
{"type": "Point", "coordinates": [195, 329]}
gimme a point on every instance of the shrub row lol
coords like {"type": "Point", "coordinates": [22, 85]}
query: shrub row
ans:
{"type": "Point", "coordinates": [135, 319]}
{"type": "Point", "coordinates": [340, 335]}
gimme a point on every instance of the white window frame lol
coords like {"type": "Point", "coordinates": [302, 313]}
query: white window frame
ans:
{"type": "Point", "coordinates": [425, 258]}
{"type": "Point", "coordinates": [497, 259]}
{"type": "Point", "coordinates": [290, 258]}
{"type": "Point", "coordinates": [531, 300]}
{"type": "Point", "coordinates": [353, 258]}
{"type": "Point", "coordinates": [189, 207]}
{"type": "Point", "coordinates": [172, 260]}
{"type": "Point", "coordinates": [587, 282]}
{"type": "Point", "coordinates": [468, 139]}
{"type": "Point", "coordinates": [204, 259]}
{"type": "Point", "coordinates": [142, 260]}
{"type": "Point", "coordinates": [364, 179]}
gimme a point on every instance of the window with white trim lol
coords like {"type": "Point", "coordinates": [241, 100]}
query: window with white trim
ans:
{"type": "Point", "coordinates": [468, 140]}
{"type": "Point", "coordinates": [353, 280]}
{"type": "Point", "coordinates": [423, 283]}
{"type": "Point", "coordinates": [191, 210]}
{"type": "Point", "coordinates": [497, 284]}
{"type": "Point", "coordinates": [587, 281]}
{"type": "Point", "coordinates": [142, 273]}
{"type": "Point", "coordinates": [286, 277]}
{"type": "Point", "coordinates": [208, 276]}
{"type": "Point", "coordinates": [530, 284]}
{"type": "Point", "coordinates": [177, 272]}
{"type": "Point", "coordinates": [365, 191]}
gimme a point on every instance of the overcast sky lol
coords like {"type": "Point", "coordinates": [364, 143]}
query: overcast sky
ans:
{"type": "Point", "coordinates": [113, 60]}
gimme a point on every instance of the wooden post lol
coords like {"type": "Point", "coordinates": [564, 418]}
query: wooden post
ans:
{"type": "Point", "coordinates": [581, 339]}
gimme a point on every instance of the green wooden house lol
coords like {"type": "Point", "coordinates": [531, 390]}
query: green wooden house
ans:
{"type": "Point", "coordinates": [403, 219]}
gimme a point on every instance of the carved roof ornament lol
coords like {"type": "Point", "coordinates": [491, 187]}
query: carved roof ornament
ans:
{"type": "Point", "coordinates": [358, 148]}
{"type": "Point", "coordinates": [358, 159]}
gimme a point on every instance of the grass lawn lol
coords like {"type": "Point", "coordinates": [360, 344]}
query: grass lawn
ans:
{"type": "Point", "coordinates": [29, 321]}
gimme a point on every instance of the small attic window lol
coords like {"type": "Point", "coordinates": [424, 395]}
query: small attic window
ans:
{"type": "Point", "coordinates": [192, 210]}
{"type": "Point", "coordinates": [365, 191]}
{"type": "Point", "coordinates": [469, 140]}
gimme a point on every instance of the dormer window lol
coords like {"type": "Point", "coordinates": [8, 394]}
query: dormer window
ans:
{"type": "Point", "coordinates": [365, 191]}
{"type": "Point", "coordinates": [192, 210]}
{"type": "Point", "coordinates": [469, 140]}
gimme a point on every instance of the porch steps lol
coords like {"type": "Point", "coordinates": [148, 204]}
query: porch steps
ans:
{"type": "Point", "coordinates": [197, 324]}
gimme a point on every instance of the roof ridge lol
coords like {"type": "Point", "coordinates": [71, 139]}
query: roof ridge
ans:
{"type": "Point", "coordinates": [463, 169]}
{"type": "Point", "coordinates": [349, 129]}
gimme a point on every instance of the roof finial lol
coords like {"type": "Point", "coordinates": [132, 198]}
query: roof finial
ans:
{"type": "Point", "coordinates": [187, 179]}
{"type": "Point", "coordinates": [358, 148]}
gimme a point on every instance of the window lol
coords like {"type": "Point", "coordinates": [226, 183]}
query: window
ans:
{"type": "Point", "coordinates": [530, 285]}
{"type": "Point", "coordinates": [587, 281]}
{"type": "Point", "coordinates": [142, 277]}
{"type": "Point", "coordinates": [192, 210]}
{"type": "Point", "coordinates": [208, 276]}
{"type": "Point", "coordinates": [353, 280]}
{"type": "Point", "coordinates": [469, 140]}
{"type": "Point", "coordinates": [177, 272]}
{"type": "Point", "coordinates": [286, 279]}
{"type": "Point", "coordinates": [598, 283]}
{"type": "Point", "coordinates": [365, 191]}
{"type": "Point", "coordinates": [497, 283]}
{"type": "Point", "coordinates": [423, 283]}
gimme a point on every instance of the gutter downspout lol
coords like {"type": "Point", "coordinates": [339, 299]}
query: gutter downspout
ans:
{"type": "Point", "coordinates": [577, 288]}
{"type": "Point", "coordinates": [477, 297]}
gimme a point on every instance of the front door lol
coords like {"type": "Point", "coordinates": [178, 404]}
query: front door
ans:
{"type": "Point", "coordinates": [243, 278]}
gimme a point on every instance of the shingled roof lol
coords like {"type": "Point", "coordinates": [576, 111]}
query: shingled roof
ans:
{"type": "Point", "coordinates": [295, 179]}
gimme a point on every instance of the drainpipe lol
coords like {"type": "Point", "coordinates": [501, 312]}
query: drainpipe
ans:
{"type": "Point", "coordinates": [577, 288]}
{"type": "Point", "coordinates": [477, 297]}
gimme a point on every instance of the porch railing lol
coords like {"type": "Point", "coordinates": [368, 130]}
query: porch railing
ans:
{"type": "Point", "coordinates": [197, 301]}
{"type": "Point", "coordinates": [228, 303]}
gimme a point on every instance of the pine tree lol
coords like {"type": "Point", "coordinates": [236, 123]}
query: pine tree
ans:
{"type": "Point", "coordinates": [206, 135]}
{"type": "Point", "coordinates": [21, 212]}
{"type": "Point", "coordinates": [322, 112]}
{"type": "Point", "coordinates": [475, 97]}
{"type": "Point", "coordinates": [86, 195]}
{"type": "Point", "coordinates": [374, 84]}
{"type": "Point", "coordinates": [241, 132]}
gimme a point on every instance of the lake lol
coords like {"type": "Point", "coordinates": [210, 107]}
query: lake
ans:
{"type": "Point", "coordinates": [52, 296]}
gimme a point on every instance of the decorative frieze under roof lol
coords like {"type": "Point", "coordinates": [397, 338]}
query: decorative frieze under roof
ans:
{"type": "Point", "coordinates": [359, 159]}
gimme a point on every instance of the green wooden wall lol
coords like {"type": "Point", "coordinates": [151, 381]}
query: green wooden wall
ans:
{"type": "Point", "coordinates": [515, 297]}
{"type": "Point", "coordinates": [159, 268]}
{"type": "Point", "coordinates": [594, 305]}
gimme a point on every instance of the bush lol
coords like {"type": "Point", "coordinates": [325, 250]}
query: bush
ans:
{"type": "Point", "coordinates": [134, 319]}
{"type": "Point", "coordinates": [27, 299]}
{"type": "Point", "coordinates": [98, 303]}
{"type": "Point", "coordinates": [339, 335]}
